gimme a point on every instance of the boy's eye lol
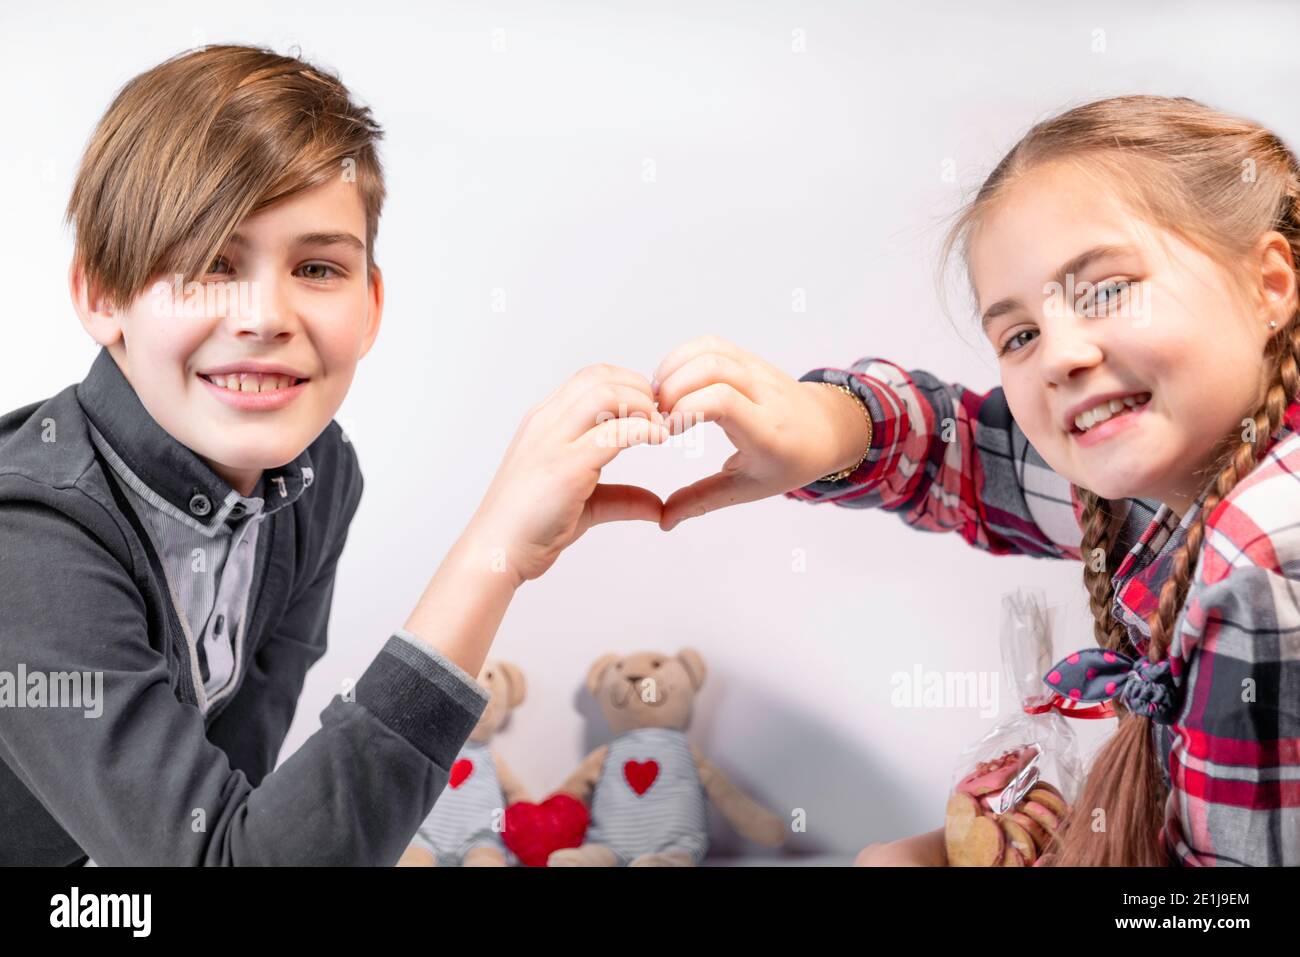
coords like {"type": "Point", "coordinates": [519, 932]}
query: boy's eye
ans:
{"type": "Point", "coordinates": [319, 271]}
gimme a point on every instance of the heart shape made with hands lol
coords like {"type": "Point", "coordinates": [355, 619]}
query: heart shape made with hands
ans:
{"type": "Point", "coordinates": [533, 831]}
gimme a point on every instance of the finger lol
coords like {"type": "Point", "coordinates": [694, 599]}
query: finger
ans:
{"type": "Point", "coordinates": [606, 401]}
{"type": "Point", "coordinates": [704, 370]}
{"type": "Point", "coordinates": [587, 377]}
{"type": "Point", "coordinates": [730, 486]}
{"type": "Point", "coordinates": [601, 443]}
{"type": "Point", "coordinates": [739, 417]}
{"type": "Point", "coordinates": [623, 503]}
{"type": "Point", "coordinates": [687, 351]}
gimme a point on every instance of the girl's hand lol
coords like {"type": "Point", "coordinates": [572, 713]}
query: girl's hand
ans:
{"type": "Point", "coordinates": [545, 493]}
{"type": "Point", "coordinates": [787, 433]}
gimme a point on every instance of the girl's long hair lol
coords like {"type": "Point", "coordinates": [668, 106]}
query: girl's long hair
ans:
{"type": "Point", "coordinates": [1220, 182]}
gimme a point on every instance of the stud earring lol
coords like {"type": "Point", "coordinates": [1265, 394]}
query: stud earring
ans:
{"type": "Point", "coordinates": [1272, 323]}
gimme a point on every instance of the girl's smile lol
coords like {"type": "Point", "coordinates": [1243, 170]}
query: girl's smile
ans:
{"type": "Point", "coordinates": [1100, 420]}
{"type": "Point", "coordinates": [1160, 320]}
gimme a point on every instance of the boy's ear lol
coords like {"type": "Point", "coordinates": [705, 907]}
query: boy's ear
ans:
{"type": "Point", "coordinates": [374, 308]}
{"type": "Point", "coordinates": [96, 315]}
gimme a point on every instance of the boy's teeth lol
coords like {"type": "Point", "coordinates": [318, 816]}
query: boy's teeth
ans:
{"type": "Point", "coordinates": [1104, 410]}
{"type": "Point", "coordinates": [251, 382]}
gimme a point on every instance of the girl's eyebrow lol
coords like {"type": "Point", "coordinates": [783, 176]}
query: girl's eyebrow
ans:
{"type": "Point", "coordinates": [1073, 265]}
{"type": "Point", "coordinates": [313, 239]}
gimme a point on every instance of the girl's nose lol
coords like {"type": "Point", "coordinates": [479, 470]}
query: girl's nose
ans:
{"type": "Point", "coordinates": [1069, 345]}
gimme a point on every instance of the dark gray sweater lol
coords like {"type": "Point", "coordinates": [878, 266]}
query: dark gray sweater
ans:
{"type": "Point", "coordinates": [153, 779]}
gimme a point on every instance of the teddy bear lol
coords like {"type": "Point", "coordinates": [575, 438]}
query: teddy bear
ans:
{"type": "Point", "coordinates": [648, 790]}
{"type": "Point", "coordinates": [464, 825]}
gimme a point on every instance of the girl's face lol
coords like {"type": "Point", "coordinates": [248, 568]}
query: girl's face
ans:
{"type": "Point", "coordinates": [289, 295]}
{"type": "Point", "coordinates": [1135, 312]}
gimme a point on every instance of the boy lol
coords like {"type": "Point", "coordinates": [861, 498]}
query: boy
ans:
{"type": "Point", "coordinates": [171, 525]}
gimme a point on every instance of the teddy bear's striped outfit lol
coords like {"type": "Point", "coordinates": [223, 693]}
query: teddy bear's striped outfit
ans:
{"type": "Point", "coordinates": [464, 813]}
{"type": "Point", "coordinates": [649, 797]}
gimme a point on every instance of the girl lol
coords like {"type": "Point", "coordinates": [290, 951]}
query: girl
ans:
{"type": "Point", "coordinates": [1134, 264]}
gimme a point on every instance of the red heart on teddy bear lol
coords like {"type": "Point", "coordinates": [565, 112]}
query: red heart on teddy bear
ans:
{"type": "Point", "coordinates": [533, 831]}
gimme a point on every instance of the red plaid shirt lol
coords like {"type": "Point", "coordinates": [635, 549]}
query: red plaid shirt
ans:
{"type": "Point", "coordinates": [949, 459]}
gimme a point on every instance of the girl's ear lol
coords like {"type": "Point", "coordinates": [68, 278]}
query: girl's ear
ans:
{"type": "Point", "coordinates": [374, 308]}
{"type": "Point", "coordinates": [1277, 281]}
{"type": "Point", "coordinates": [97, 317]}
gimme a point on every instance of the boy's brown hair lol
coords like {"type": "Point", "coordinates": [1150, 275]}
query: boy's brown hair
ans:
{"type": "Point", "coordinates": [191, 147]}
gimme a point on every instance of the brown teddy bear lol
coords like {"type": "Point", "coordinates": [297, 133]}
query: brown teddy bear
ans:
{"type": "Point", "coordinates": [648, 789]}
{"type": "Point", "coordinates": [464, 826]}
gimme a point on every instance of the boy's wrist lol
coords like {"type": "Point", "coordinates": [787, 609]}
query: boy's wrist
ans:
{"type": "Point", "coordinates": [463, 605]}
{"type": "Point", "coordinates": [480, 552]}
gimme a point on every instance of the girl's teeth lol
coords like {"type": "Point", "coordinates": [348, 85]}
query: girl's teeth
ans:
{"type": "Point", "coordinates": [1104, 410]}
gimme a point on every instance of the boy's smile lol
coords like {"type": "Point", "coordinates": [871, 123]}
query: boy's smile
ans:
{"type": "Point", "coordinates": [253, 387]}
{"type": "Point", "coordinates": [1127, 389]}
{"type": "Point", "coordinates": [256, 361]}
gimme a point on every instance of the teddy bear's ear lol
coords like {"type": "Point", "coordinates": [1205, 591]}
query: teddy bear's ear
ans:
{"type": "Point", "coordinates": [694, 665]}
{"type": "Point", "coordinates": [597, 672]}
{"type": "Point", "coordinates": [514, 681]}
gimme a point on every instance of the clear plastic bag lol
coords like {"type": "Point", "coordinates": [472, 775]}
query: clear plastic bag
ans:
{"type": "Point", "coordinates": [1032, 748]}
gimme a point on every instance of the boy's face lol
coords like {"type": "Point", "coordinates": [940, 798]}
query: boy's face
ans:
{"type": "Point", "coordinates": [289, 294]}
{"type": "Point", "coordinates": [1160, 318]}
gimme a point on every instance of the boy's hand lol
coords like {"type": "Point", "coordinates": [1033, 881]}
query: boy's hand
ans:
{"type": "Point", "coordinates": [546, 494]}
{"type": "Point", "coordinates": [787, 433]}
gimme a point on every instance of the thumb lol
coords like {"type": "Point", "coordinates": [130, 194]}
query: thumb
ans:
{"type": "Point", "coordinates": [726, 487]}
{"type": "Point", "coordinates": [621, 503]}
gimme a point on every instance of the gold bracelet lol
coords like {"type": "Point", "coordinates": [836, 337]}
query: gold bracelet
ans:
{"type": "Point", "coordinates": [845, 473]}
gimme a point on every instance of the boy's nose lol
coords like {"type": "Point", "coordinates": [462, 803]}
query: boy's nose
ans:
{"type": "Point", "coordinates": [264, 311]}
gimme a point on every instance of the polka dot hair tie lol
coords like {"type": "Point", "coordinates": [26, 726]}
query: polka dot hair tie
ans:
{"type": "Point", "coordinates": [1098, 674]}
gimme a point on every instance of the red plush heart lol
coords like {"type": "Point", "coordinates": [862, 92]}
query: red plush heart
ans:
{"type": "Point", "coordinates": [640, 775]}
{"type": "Point", "coordinates": [460, 772]}
{"type": "Point", "coordinates": [533, 831]}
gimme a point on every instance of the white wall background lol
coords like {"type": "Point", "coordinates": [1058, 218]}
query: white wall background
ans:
{"type": "Point", "coordinates": [517, 137]}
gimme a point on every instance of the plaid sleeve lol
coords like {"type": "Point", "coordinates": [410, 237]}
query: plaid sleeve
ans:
{"type": "Point", "coordinates": [1234, 751]}
{"type": "Point", "coordinates": [950, 459]}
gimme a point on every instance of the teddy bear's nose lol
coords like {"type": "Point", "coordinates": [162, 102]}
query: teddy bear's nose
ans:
{"type": "Point", "coordinates": [635, 679]}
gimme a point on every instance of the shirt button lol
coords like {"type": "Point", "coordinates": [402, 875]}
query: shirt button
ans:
{"type": "Point", "coordinates": [200, 505]}
{"type": "Point", "coordinates": [238, 510]}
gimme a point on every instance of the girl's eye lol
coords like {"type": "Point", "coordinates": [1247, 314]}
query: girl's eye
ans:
{"type": "Point", "coordinates": [1007, 346]}
{"type": "Point", "coordinates": [1108, 293]}
{"type": "Point", "coordinates": [216, 269]}
{"type": "Point", "coordinates": [323, 273]}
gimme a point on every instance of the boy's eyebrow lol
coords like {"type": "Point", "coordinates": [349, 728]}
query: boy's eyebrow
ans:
{"type": "Point", "coordinates": [314, 239]}
{"type": "Point", "coordinates": [1073, 265]}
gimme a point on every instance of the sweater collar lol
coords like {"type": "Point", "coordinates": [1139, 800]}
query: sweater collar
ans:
{"type": "Point", "coordinates": [171, 470]}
